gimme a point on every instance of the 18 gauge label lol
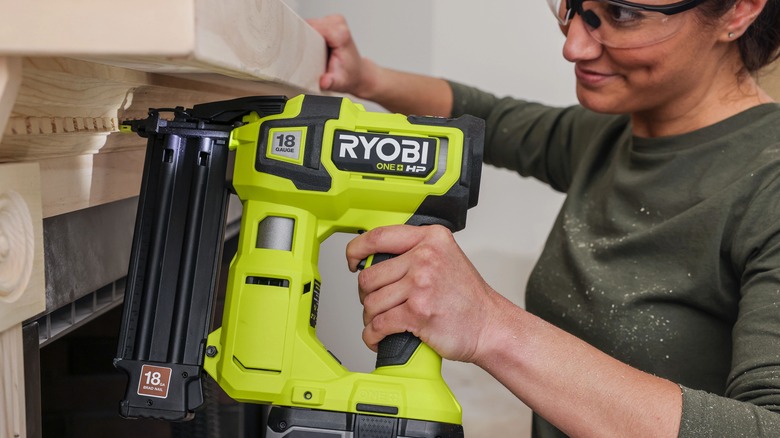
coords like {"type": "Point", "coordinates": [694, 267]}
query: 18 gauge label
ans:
{"type": "Point", "coordinates": [384, 154]}
{"type": "Point", "coordinates": [287, 144]}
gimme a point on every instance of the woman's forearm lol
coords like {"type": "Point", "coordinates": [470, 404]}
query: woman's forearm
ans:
{"type": "Point", "coordinates": [573, 385]}
{"type": "Point", "coordinates": [406, 93]}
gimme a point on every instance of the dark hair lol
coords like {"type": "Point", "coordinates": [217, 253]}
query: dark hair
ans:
{"type": "Point", "coordinates": [760, 44]}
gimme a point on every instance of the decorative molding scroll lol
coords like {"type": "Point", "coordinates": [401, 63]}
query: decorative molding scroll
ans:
{"type": "Point", "coordinates": [22, 288]}
{"type": "Point", "coordinates": [17, 246]}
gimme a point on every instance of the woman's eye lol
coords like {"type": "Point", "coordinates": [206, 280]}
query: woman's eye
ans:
{"type": "Point", "coordinates": [622, 15]}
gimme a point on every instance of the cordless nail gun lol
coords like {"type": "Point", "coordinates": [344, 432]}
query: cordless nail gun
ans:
{"type": "Point", "coordinates": [304, 169]}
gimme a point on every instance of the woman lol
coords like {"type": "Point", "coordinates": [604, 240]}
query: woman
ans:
{"type": "Point", "coordinates": [654, 309]}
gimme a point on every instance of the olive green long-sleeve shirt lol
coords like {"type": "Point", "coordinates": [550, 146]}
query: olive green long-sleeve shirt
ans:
{"type": "Point", "coordinates": [666, 252]}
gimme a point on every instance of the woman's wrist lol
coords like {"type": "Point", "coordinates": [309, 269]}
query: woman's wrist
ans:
{"type": "Point", "coordinates": [498, 335]}
{"type": "Point", "coordinates": [370, 81]}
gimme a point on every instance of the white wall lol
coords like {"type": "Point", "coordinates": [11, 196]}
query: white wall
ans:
{"type": "Point", "coordinates": [507, 47]}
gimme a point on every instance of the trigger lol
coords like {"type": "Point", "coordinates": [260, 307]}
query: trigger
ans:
{"type": "Point", "coordinates": [366, 262]}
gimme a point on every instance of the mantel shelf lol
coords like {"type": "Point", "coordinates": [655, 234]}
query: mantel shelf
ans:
{"type": "Point", "coordinates": [261, 40]}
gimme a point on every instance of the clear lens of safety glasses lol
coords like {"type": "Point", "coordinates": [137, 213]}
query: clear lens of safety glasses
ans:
{"type": "Point", "coordinates": [620, 25]}
{"type": "Point", "coordinates": [559, 9]}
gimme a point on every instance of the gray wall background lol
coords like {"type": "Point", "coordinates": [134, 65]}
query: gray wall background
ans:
{"type": "Point", "coordinates": [503, 46]}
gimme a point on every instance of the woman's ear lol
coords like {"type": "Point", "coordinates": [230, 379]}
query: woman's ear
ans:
{"type": "Point", "coordinates": [742, 15]}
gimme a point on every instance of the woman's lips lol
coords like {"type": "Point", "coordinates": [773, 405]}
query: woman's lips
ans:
{"type": "Point", "coordinates": [591, 77]}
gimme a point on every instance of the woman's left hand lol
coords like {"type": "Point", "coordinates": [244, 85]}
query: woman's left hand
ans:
{"type": "Point", "coordinates": [430, 289]}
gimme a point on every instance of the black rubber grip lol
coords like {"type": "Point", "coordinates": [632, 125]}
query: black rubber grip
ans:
{"type": "Point", "coordinates": [396, 349]}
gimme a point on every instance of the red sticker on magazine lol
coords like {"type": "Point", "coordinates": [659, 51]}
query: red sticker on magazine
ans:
{"type": "Point", "coordinates": [154, 381]}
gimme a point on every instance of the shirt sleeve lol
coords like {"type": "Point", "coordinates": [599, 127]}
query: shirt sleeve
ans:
{"type": "Point", "coordinates": [535, 140]}
{"type": "Point", "coordinates": [710, 415]}
{"type": "Point", "coordinates": [751, 405]}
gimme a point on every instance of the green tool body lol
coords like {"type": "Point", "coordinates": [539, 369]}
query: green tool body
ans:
{"type": "Point", "coordinates": [320, 166]}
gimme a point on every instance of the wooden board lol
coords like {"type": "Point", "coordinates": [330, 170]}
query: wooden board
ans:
{"type": "Point", "coordinates": [12, 418]}
{"type": "Point", "coordinates": [260, 40]}
{"type": "Point", "coordinates": [22, 293]}
{"type": "Point", "coordinates": [83, 181]}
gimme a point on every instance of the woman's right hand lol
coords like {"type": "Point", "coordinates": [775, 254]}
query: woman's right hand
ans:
{"type": "Point", "coordinates": [346, 71]}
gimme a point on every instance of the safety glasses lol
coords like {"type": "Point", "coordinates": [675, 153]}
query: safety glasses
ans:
{"type": "Point", "coordinates": [623, 24]}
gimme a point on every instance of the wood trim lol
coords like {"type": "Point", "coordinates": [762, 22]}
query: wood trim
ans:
{"type": "Point", "coordinates": [67, 107]}
{"type": "Point", "coordinates": [66, 116]}
{"type": "Point", "coordinates": [12, 409]}
{"type": "Point", "coordinates": [83, 181]}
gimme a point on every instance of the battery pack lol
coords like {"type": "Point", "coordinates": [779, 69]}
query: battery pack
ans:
{"type": "Point", "coordinates": [287, 422]}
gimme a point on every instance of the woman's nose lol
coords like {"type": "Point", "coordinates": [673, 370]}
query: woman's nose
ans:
{"type": "Point", "coordinates": [580, 44]}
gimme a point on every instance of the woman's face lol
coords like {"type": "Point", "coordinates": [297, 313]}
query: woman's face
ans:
{"type": "Point", "coordinates": [656, 80]}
